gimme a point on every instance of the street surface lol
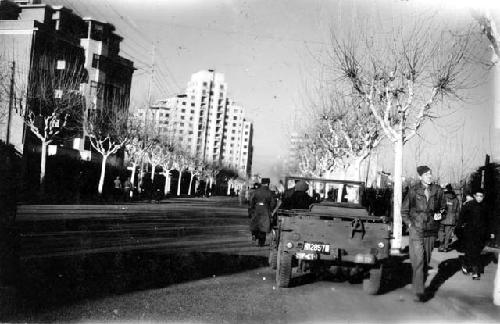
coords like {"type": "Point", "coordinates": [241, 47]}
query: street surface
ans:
{"type": "Point", "coordinates": [193, 261]}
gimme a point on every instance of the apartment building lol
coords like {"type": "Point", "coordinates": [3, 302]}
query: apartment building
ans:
{"type": "Point", "coordinates": [237, 139]}
{"type": "Point", "coordinates": [205, 122]}
{"type": "Point", "coordinates": [35, 32]}
{"type": "Point", "coordinates": [35, 39]}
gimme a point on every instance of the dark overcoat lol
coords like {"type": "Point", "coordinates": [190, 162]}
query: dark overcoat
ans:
{"type": "Point", "coordinates": [262, 205]}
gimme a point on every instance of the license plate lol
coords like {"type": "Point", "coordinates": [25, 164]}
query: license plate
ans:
{"type": "Point", "coordinates": [316, 247]}
{"type": "Point", "coordinates": [306, 256]}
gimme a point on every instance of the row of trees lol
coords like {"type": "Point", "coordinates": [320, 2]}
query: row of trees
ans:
{"type": "Point", "coordinates": [55, 110]}
{"type": "Point", "coordinates": [383, 87]}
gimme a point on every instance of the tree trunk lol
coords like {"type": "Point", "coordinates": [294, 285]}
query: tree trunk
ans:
{"type": "Point", "coordinates": [196, 185]}
{"type": "Point", "coordinates": [229, 184]}
{"type": "Point", "coordinates": [190, 182]}
{"type": "Point", "coordinates": [179, 184]}
{"type": "Point", "coordinates": [103, 173]}
{"type": "Point", "coordinates": [43, 162]}
{"type": "Point", "coordinates": [397, 194]}
{"type": "Point", "coordinates": [167, 182]}
{"type": "Point", "coordinates": [132, 179]}
{"type": "Point", "coordinates": [141, 176]}
{"type": "Point", "coordinates": [153, 168]}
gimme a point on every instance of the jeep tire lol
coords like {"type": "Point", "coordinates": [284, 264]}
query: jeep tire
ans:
{"type": "Point", "coordinates": [284, 270]}
{"type": "Point", "coordinates": [273, 258]}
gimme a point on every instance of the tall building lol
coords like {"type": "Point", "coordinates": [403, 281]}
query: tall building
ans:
{"type": "Point", "coordinates": [237, 139]}
{"type": "Point", "coordinates": [293, 158]}
{"type": "Point", "coordinates": [205, 122]}
{"type": "Point", "coordinates": [34, 38]}
{"type": "Point", "coordinates": [33, 32]}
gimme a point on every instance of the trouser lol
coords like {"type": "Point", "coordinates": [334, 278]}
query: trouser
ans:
{"type": "Point", "coordinates": [472, 258]}
{"type": "Point", "coordinates": [420, 256]}
{"type": "Point", "coordinates": [445, 233]}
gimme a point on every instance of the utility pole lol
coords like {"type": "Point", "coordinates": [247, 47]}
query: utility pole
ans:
{"type": "Point", "coordinates": [11, 102]}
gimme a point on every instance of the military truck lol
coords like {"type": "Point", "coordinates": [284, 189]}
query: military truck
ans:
{"type": "Point", "coordinates": [335, 234]}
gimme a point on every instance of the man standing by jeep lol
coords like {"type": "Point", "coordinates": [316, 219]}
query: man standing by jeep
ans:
{"type": "Point", "coordinates": [262, 203]}
{"type": "Point", "coordinates": [421, 212]}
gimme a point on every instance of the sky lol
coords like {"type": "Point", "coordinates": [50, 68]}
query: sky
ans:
{"type": "Point", "coordinates": [271, 54]}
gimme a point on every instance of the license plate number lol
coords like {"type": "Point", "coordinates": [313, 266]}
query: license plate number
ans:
{"type": "Point", "coordinates": [322, 248]}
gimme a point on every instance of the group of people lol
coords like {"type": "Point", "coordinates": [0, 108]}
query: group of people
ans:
{"type": "Point", "coordinates": [429, 212]}
{"type": "Point", "coordinates": [264, 202]}
{"type": "Point", "coordinates": [150, 190]}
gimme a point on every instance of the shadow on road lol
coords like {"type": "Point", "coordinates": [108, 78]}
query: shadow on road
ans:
{"type": "Point", "coordinates": [447, 269]}
{"type": "Point", "coordinates": [52, 282]}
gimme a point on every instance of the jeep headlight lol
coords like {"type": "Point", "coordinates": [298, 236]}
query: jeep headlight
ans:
{"type": "Point", "coordinates": [381, 245]}
{"type": "Point", "coordinates": [289, 245]}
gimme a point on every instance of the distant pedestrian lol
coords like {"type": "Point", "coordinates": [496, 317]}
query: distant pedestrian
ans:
{"type": "Point", "coordinates": [449, 220]}
{"type": "Point", "coordinates": [127, 190]}
{"type": "Point", "coordinates": [472, 231]}
{"type": "Point", "coordinates": [421, 212]}
{"type": "Point", "coordinates": [117, 188]}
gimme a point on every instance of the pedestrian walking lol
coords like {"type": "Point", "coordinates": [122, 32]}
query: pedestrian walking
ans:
{"type": "Point", "coordinates": [117, 188]}
{"type": "Point", "coordinates": [449, 220]}
{"type": "Point", "coordinates": [472, 231]}
{"type": "Point", "coordinates": [127, 189]}
{"type": "Point", "coordinates": [421, 212]}
{"type": "Point", "coordinates": [262, 204]}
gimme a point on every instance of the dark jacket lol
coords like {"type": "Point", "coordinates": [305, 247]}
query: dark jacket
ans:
{"type": "Point", "coordinates": [300, 200]}
{"type": "Point", "coordinates": [286, 199]}
{"type": "Point", "coordinates": [262, 205]}
{"type": "Point", "coordinates": [473, 221]}
{"type": "Point", "coordinates": [419, 212]}
{"type": "Point", "coordinates": [452, 208]}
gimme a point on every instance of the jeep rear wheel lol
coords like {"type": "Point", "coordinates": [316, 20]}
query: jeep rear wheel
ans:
{"type": "Point", "coordinates": [372, 285]}
{"type": "Point", "coordinates": [284, 270]}
{"type": "Point", "coordinates": [273, 258]}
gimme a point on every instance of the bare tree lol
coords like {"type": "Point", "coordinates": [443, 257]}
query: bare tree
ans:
{"type": "Point", "coordinates": [109, 131]}
{"type": "Point", "coordinates": [347, 131]}
{"type": "Point", "coordinates": [401, 81]}
{"type": "Point", "coordinates": [136, 149]}
{"type": "Point", "coordinates": [55, 107]}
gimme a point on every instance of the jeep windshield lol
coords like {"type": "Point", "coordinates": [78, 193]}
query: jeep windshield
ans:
{"type": "Point", "coordinates": [342, 193]}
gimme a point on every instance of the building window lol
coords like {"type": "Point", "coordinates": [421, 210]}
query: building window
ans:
{"type": "Point", "coordinates": [95, 61]}
{"type": "Point", "coordinates": [235, 118]}
{"type": "Point", "coordinates": [61, 64]}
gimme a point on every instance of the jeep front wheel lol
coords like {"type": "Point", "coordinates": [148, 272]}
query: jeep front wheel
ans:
{"type": "Point", "coordinates": [284, 270]}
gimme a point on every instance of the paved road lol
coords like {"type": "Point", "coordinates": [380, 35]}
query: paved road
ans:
{"type": "Point", "coordinates": [194, 262]}
{"type": "Point", "coordinates": [203, 226]}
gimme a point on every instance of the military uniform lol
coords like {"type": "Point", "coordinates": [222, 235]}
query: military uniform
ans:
{"type": "Point", "coordinates": [262, 204]}
{"type": "Point", "coordinates": [419, 207]}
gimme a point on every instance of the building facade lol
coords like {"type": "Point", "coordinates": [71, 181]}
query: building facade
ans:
{"type": "Point", "coordinates": [36, 33]}
{"type": "Point", "coordinates": [204, 122]}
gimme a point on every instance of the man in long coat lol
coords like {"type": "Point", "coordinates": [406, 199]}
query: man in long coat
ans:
{"type": "Point", "coordinates": [421, 212]}
{"type": "Point", "coordinates": [262, 203]}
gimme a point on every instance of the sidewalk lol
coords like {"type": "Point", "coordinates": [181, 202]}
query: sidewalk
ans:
{"type": "Point", "coordinates": [454, 290]}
